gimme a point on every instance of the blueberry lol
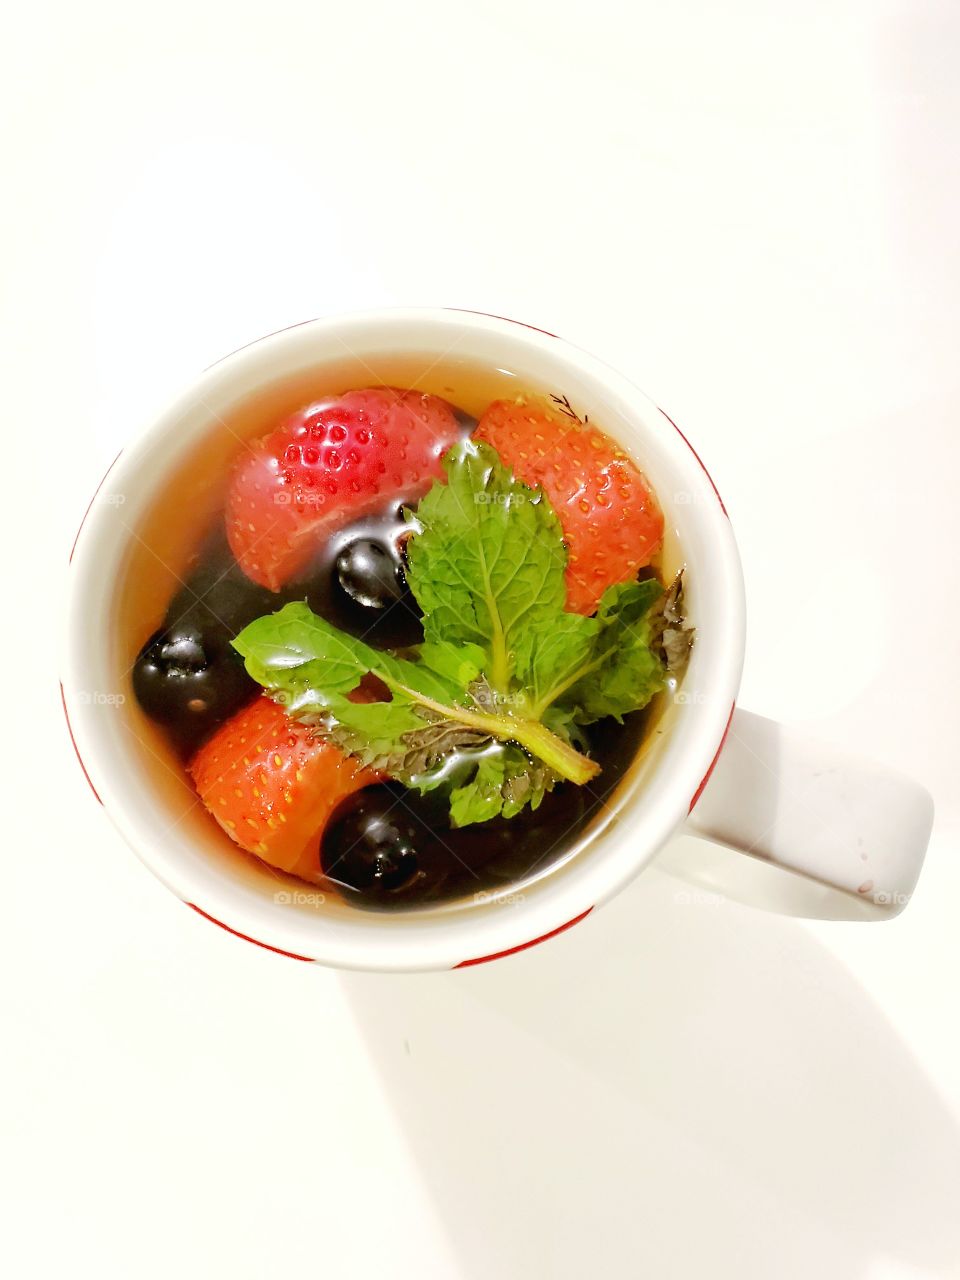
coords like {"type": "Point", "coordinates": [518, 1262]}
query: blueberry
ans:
{"type": "Point", "coordinates": [189, 680]}
{"type": "Point", "coordinates": [371, 573]}
{"type": "Point", "coordinates": [378, 847]}
{"type": "Point", "coordinates": [356, 581]}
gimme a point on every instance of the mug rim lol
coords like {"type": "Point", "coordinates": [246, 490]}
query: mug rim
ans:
{"type": "Point", "coordinates": [505, 928]}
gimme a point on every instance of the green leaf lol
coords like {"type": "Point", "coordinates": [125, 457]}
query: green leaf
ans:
{"type": "Point", "coordinates": [487, 563]}
{"type": "Point", "coordinates": [312, 667]}
{"type": "Point", "coordinates": [397, 739]}
{"type": "Point", "coordinates": [628, 602]}
{"type": "Point", "coordinates": [311, 662]}
{"type": "Point", "coordinates": [623, 672]}
{"type": "Point", "coordinates": [481, 798]}
{"type": "Point", "coordinates": [584, 669]}
{"type": "Point", "coordinates": [375, 731]}
{"type": "Point", "coordinates": [550, 656]}
{"type": "Point", "coordinates": [503, 784]}
{"type": "Point", "coordinates": [492, 706]}
{"type": "Point", "coordinates": [461, 663]}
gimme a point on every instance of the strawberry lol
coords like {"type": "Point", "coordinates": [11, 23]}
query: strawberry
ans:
{"type": "Point", "coordinates": [611, 521]}
{"type": "Point", "coordinates": [327, 465]}
{"type": "Point", "coordinates": [272, 785]}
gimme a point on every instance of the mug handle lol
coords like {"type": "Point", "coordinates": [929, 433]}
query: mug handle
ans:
{"type": "Point", "coordinates": [812, 809]}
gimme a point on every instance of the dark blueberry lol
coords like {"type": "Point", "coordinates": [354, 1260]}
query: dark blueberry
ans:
{"type": "Point", "coordinates": [379, 847]}
{"type": "Point", "coordinates": [356, 581]}
{"type": "Point", "coordinates": [190, 680]}
{"type": "Point", "coordinates": [371, 573]}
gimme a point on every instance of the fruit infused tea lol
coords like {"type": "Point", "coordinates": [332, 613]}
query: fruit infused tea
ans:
{"type": "Point", "coordinates": [419, 646]}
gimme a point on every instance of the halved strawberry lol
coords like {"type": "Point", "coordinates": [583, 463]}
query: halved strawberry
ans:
{"type": "Point", "coordinates": [329, 464]}
{"type": "Point", "coordinates": [272, 785]}
{"type": "Point", "coordinates": [612, 523]}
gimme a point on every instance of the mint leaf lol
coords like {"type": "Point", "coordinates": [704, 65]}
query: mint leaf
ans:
{"type": "Point", "coordinates": [585, 669]}
{"type": "Point", "coordinates": [502, 785]}
{"type": "Point", "coordinates": [486, 565]}
{"type": "Point", "coordinates": [487, 568]}
{"type": "Point", "coordinates": [461, 663]}
{"type": "Point", "coordinates": [315, 665]}
{"type": "Point", "coordinates": [396, 738]}
{"type": "Point", "coordinates": [482, 797]}
{"type": "Point", "coordinates": [493, 705]}
{"type": "Point", "coordinates": [312, 668]}
{"type": "Point", "coordinates": [549, 658]}
{"type": "Point", "coordinates": [626, 685]}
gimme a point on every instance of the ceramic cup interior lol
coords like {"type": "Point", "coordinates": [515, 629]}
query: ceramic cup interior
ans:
{"type": "Point", "coordinates": [160, 496]}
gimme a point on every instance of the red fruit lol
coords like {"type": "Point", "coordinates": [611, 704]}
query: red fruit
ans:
{"type": "Point", "coordinates": [611, 521]}
{"type": "Point", "coordinates": [272, 785]}
{"type": "Point", "coordinates": [329, 464]}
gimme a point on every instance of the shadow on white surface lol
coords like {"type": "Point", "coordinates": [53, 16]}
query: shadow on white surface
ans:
{"type": "Point", "coordinates": [680, 1086]}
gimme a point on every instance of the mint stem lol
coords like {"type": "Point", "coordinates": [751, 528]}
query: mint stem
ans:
{"type": "Point", "coordinates": [531, 734]}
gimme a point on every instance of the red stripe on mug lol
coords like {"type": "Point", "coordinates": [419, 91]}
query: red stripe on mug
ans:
{"type": "Point", "coordinates": [706, 777]}
{"type": "Point", "coordinates": [76, 750]}
{"type": "Point", "coordinates": [498, 955]}
{"type": "Point", "coordinates": [90, 504]}
{"type": "Point", "coordinates": [698, 458]}
{"type": "Point", "coordinates": [292, 955]}
{"type": "Point", "coordinates": [468, 311]}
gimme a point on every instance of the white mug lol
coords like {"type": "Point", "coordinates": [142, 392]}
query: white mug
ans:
{"type": "Point", "coordinates": [724, 773]}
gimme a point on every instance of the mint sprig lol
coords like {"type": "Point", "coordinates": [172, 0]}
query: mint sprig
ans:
{"type": "Point", "coordinates": [314, 667]}
{"type": "Point", "coordinates": [503, 665]}
{"type": "Point", "coordinates": [487, 563]}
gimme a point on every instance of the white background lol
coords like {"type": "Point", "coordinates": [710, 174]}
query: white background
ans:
{"type": "Point", "coordinates": [752, 210]}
